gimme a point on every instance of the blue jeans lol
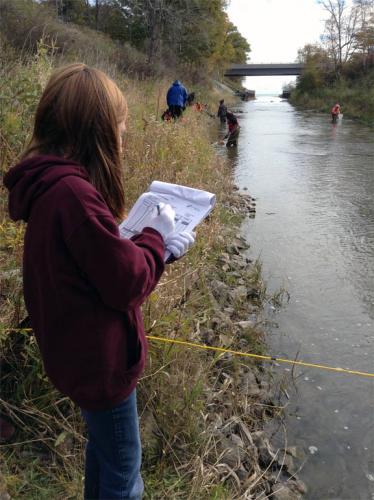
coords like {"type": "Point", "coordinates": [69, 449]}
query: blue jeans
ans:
{"type": "Point", "coordinates": [113, 453]}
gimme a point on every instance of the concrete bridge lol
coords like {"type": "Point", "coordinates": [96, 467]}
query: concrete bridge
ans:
{"type": "Point", "coordinates": [264, 69]}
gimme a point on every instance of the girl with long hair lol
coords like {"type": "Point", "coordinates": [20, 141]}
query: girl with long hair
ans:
{"type": "Point", "coordinates": [83, 284]}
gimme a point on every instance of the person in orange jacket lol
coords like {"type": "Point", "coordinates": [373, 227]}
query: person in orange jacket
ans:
{"type": "Point", "coordinates": [335, 111]}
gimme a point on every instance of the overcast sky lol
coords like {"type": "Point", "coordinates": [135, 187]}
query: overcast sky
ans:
{"type": "Point", "coordinates": [276, 29]}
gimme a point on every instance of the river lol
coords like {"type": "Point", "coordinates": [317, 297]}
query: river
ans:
{"type": "Point", "coordinates": [314, 233]}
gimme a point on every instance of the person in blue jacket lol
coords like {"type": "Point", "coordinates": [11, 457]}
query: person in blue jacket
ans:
{"type": "Point", "coordinates": [176, 99]}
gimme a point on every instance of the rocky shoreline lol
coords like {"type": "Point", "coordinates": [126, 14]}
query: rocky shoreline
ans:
{"type": "Point", "coordinates": [241, 399]}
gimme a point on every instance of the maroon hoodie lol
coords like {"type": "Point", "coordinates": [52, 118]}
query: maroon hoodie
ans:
{"type": "Point", "coordinates": [83, 284]}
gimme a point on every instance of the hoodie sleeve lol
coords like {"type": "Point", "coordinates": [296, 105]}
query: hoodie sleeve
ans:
{"type": "Point", "coordinates": [124, 272]}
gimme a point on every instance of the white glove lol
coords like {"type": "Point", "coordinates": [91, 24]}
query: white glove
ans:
{"type": "Point", "coordinates": [179, 243]}
{"type": "Point", "coordinates": [163, 222]}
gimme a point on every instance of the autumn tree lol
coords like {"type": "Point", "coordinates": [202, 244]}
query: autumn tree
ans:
{"type": "Point", "coordinates": [365, 33]}
{"type": "Point", "coordinates": [178, 32]}
{"type": "Point", "coordinates": [340, 31]}
{"type": "Point", "coordinates": [348, 29]}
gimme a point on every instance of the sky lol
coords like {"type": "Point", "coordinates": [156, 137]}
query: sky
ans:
{"type": "Point", "coordinates": [275, 30]}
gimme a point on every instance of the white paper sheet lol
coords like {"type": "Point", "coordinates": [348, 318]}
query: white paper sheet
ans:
{"type": "Point", "coordinates": [191, 206]}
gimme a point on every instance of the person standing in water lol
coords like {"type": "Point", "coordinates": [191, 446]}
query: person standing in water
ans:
{"type": "Point", "coordinates": [222, 111]}
{"type": "Point", "coordinates": [233, 130]}
{"type": "Point", "coordinates": [335, 111]}
{"type": "Point", "coordinates": [84, 284]}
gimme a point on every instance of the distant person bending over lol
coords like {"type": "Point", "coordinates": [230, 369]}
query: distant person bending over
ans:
{"type": "Point", "coordinates": [176, 99]}
{"type": "Point", "coordinates": [233, 130]}
{"type": "Point", "coordinates": [222, 111]}
{"type": "Point", "coordinates": [335, 111]}
{"type": "Point", "coordinates": [83, 284]}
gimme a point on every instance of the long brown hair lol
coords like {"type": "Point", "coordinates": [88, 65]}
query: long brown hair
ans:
{"type": "Point", "coordinates": [78, 117]}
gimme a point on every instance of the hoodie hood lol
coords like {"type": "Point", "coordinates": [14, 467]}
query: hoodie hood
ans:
{"type": "Point", "coordinates": [176, 82]}
{"type": "Point", "coordinates": [32, 177]}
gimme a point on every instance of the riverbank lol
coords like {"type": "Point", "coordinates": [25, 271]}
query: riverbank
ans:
{"type": "Point", "coordinates": [355, 97]}
{"type": "Point", "coordinates": [202, 415]}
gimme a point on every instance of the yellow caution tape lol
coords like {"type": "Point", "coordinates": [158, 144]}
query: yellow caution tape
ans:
{"type": "Point", "coordinates": [259, 356]}
{"type": "Point", "coordinates": [240, 353]}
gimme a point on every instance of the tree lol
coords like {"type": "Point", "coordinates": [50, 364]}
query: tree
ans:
{"type": "Point", "coordinates": [348, 29]}
{"type": "Point", "coordinates": [187, 32]}
{"type": "Point", "coordinates": [365, 33]}
{"type": "Point", "coordinates": [76, 11]}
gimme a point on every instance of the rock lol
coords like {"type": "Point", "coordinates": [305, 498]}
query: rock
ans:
{"type": "Point", "coordinates": [241, 243]}
{"type": "Point", "coordinates": [259, 438]}
{"type": "Point", "coordinates": [217, 285]}
{"type": "Point", "coordinates": [229, 310]}
{"type": "Point", "coordinates": [218, 422]}
{"type": "Point", "coordinates": [253, 293]}
{"type": "Point", "coordinates": [225, 340]}
{"type": "Point", "coordinates": [265, 385]}
{"type": "Point", "coordinates": [208, 336]}
{"type": "Point", "coordinates": [243, 343]}
{"type": "Point", "coordinates": [280, 491]}
{"type": "Point", "coordinates": [248, 383]}
{"type": "Point", "coordinates": [238, 293]}
{"type": "Point", "coordinates": [233, 249]}
{"type": "Point", "coordinates": [266, 456]}
{"type": "Point", "coordinates": [298, 486]}
{"type": "Point", "coordinates": [220, 290]}
{"type": "Point", "coordinates": [238, 262]}
{"type": "Point", "coordinates": [242, 473]}
{"type": "Point", "coordinates": [236, 274]}
{"type": "Point", "coordinates": [237, 440]}
{"type": "Point", "coordinates": [293, 451]}
{"type": "Point", "coordinates": [221, 321]}
{"type": "Point", "coordinates": [244, 325]}
{"type": "Point", "coordinates": [286, 462]}
{"type": "Point", "coordinates": [231, 454]}
{"type": "Point", "coordinates": [224, 257]}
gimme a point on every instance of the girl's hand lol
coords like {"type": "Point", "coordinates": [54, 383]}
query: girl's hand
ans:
{"type": "Point", "coordinates": [161, 219]}
{"type": "Point", "coordinates": [179, 243]}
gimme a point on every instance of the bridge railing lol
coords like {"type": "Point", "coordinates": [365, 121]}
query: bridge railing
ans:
{"type": "Point", "coordinates": [266, 69]}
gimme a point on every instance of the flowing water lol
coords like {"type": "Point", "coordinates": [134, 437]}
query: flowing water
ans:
{"type": "Point", "coordinates": [314, 232]}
